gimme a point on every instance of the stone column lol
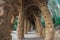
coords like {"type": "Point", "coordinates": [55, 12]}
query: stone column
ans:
{"type": "Point", "coordinates": [12, 19]}
{"type": "Point", "coordinates": [49, 30]}
{"type": "Point", "coordinates": [38, 26]}
{"type": "Point", "coordinates": [28, 26]}
{"type": "Point", "coordinates": [12, 22]}
{"type": "Point", "coordinates": [25, 26]}
{"type": "Point", "coordinates": [20, 28]}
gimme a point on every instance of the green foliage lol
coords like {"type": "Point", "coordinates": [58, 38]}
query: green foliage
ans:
{"type": "Point", "coordinates": [15, 24]}
{"type": "Point", "coordinates": [54, 9]}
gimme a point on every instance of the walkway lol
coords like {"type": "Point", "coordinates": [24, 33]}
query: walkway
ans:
{"type": "Point", "coordinates": [30, 36]}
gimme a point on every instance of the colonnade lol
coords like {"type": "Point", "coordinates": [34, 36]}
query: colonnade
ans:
{"type": "Point", "coordinates": [24, 26]}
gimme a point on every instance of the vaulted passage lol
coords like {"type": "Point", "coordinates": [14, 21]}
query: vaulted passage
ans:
{"type": "Point", "coordinates": [33, 15]}
{"type": "Point", "coordinates": [29, 14]}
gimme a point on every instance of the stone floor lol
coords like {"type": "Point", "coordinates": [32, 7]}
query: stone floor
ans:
{"type": "Point", "coordinates": [33, 36]}
{"type": "Point", "coordinates": [30, 36]}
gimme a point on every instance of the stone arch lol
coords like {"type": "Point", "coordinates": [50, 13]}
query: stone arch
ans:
{"type": "Point", "coordinates": [35, 11]}
{"type": "Point", "coordinates": [7, 19]}
{"type": "Point", "coordinates": [49, 26]}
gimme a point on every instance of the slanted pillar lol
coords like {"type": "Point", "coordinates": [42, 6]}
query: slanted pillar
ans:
{"type": "Point", "coordinates": [25, 26]}
{"type": "Point", "coordinates": [49, 30]}
{"type": "Point", "coordinates": [36, 28]}
{"type": "Point", "coordinates": [20, 28]}
{"type": "Point", "coordinates": [38, 25]}
{"type": "Point", "coordinates": [28, 26]}
{"type": "Point", "coordinates": [11, 19]}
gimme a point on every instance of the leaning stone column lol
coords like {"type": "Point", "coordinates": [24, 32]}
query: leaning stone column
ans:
{"type": "Point", "coordinates": [36, 28]}
{"type": "Point", "coordinates": [11, 20]}
{"type": "Point", "coordinates": [38, 25]}
{"type": "Point", "coordinates": [25, 26]}
{"type": "Point", "coordinates": [20, 28]}
{"type": "Point", "coordinates": [49, 30]}
{"type": "Point", "coordinates": [28, 26]}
